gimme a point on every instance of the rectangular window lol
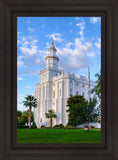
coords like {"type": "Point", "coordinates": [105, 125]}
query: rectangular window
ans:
{"type": "Point", "coordinates": [70, 81]}
{"type": "Point", "coordinates": [71, 91]}
{"type": "Point", "coordinates": [83, 94]}
{"type": "Point", "coordinates": [59, 92]}
{"type": "Point", "coordinates": [76, 92]}
{"type": "Point", "coordinates": [43, 92]}
{"type": "Point", "coordinates": [53, 94]}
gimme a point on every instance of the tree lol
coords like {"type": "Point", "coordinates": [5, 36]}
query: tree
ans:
{"type": "Point", "coordinates": [76, 105]}
{"type": "Point", "coordinates": [19, 113]}
{"type": "Point", "coordinates": [30, 102]}
{"type": "Point", "coordinates": [22, 120]}
{"type": "Point", "coordinates": [97, 91]}
{"type": "Point", "coordinates": [51, 114]}
{"type": "Point", "coordinates": [97, 88]}
{"type": "Point", "coordinates": [81, 111]}
{"type": "Point", "coordinates": [90, 112]}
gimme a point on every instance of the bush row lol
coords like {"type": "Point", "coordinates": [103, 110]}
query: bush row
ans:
{"type": "Point", "coordinates": [59, 126]}
{"type": "Point", "coordinates": [24, 126]}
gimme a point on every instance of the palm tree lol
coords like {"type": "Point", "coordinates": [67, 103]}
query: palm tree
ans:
{"type": "Point", "coordinates": [30, 102]}
{"type": "Point", "coordinates": [51, 114]}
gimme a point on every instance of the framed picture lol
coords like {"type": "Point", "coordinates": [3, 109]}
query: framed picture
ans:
{"type": "Point", "coordinates": [65, 67]}
{"type": "Point", "coordinates": [12, 14]}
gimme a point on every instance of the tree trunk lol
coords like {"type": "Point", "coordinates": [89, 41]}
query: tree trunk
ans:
{"type": "Point", "coordinates": [30, 117]}
{"type": "Point", "coordinates": [50, 122]}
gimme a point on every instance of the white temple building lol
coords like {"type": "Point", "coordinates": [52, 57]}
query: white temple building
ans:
{"type": "Point", "coordinates": [55, 88]}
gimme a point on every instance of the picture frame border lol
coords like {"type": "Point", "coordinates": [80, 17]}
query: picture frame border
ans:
{"type": "Point", "coordinates": [10, 10]}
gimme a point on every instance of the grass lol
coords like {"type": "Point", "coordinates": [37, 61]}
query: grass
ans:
{"type": "Point", "coordinates": [58, 136]}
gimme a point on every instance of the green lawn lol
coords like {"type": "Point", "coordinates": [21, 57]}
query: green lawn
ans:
{"type": "Point", "coordinates": [58, 136]}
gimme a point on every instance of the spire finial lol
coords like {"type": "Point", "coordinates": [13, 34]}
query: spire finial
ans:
{"type": "Point", "coordinates": [52, 41]}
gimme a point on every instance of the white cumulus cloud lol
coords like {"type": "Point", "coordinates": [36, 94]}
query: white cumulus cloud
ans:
{"type": "Point", "coordinates": [20, 61]}
{"type": "Point", "coordinates": [82, 27]}
{"type": "Point", "coordinates": [30, 50]}
{"type": "Point", "coordinates": [30, 29]}
{"type": "Point", "coordinates": [95, 20]}
{"type": "Point", "coordinates": [55, 36]}
{"type": "Point", "coordinates": [98, 44]}
{"type": "Point", "coordinates": [80, 55]}
{"type": "Point", "coordinates": [20, 78]}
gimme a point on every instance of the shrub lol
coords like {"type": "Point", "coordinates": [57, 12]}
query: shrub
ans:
{"type": "Point", "coordinates": [61, 125]}
{"type": "Point", "coordinates": [22, 126]}
{"type": "Point", "coordinates": [92, 126]}
{"type": "Point", "coordinates": [69, 127]}
{"type": "Point", "coordinates": [34, 125]}
{"type": "Point", "coordinates": [43, 126]}
{"type": "Point", "coordinates": [56, 126]}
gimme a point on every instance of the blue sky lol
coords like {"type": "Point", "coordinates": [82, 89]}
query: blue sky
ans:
{"type": "Point", "coordinates": [78, 44]}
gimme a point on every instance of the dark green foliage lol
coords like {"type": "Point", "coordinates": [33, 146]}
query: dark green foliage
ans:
{"type": "Point", "coordinates": [19, 113]}
{"type": "Point", "coordinates": [21, 121]}
{"type": "Point", "coordinates": [97, 91]}
{"type": "Point", "coordinates": [30, 101]}
{"type": "Point", "coordinates": [74, 100]}
{"type": "Point", "coordinates": [26, 113]}
{"type": "Point", "coordinates": [56, 126]}
{"type": "Point", "coordinates": [92, 126]}
{"type": "Point", "coordinates": [34, 125]}
{"type": "Point", "coordinates": [90, 113]}
{"type": "Point", "coordinates": [76, 105]}
{"type": "Point", "coordinates": [97, 88]}
{"type": "Point", "coordinates": [81, 111]}
{"type": "Point", "coordinates": [22, 126]}
{"type": "Point", "coordinates": [43, 126]}
{"type": "Point", "coordinates": [69, 127]}
{"type": "Point", "coordinates": [50, 114]}
{"type": "Point", "coordinates": [59, 126]}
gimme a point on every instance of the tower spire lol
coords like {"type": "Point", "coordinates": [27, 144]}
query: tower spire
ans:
{"type": "Point", "coordinates": [52, 59]}
{"type": "Point", "coordinates": [52, 41]}
{"type": "Point", "coordinates": [52, 50]}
